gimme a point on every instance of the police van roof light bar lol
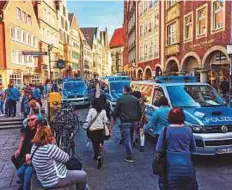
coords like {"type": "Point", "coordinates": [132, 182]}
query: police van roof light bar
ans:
{"type": "Point", "coordinates": [175, 79]}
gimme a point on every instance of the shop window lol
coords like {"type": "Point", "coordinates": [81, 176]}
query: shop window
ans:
{"type": "Point", "coordinates": [188, 30]}
{"type": "Point", "coordinates": [18, 13]}
{"type": "Point", "coordinates": [218, 14]}
{"type": "Point", "coordinates": [35, 79]}
{"type": "Point", "coordinates": [171, 34]}
{"type": "Point", "coordinates": [16, 79]}
{"type": "Point", "coordinates": [201, 21]}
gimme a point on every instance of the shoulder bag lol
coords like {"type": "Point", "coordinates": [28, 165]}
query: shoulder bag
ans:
{"type": "Point", "coordinates": [86, 126]}
{"type": "Point", "coordinates": [74, 163]}
{"type": "Point", "coordinates": [159, 162]}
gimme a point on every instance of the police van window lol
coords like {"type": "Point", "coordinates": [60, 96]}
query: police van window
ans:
{"type": "Point", "coordinates": [158, 92]}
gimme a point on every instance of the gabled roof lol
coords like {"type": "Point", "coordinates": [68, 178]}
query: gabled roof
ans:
{"type": "Point", "coordinates": [89, 34]}
{"type": "Point", "coordinates": [117, 39]}
{"type": "Point", "coordinates": [70, 17]}
{"type": "Point", "coordinates": [2, 5]}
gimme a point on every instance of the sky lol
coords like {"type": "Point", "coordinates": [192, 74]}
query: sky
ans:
{"type": "Point", "coordinates": [98, 14]}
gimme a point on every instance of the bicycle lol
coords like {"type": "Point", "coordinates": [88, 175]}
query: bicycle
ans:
{"type": "Point", "coordinates": [66, 125]}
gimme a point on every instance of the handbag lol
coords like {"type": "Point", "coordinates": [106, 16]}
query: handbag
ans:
{"type": "Point", "coordinates": [106, 132]}
{"type": "Point", "coordinates": [74, 163]}
{"type": "Point", "coordinates": [159, 162]}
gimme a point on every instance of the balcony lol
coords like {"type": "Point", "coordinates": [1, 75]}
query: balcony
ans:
{"type": "Point", "coordinates": [172, 49]}
{"type": "Point", "coordinates": [173, 12]}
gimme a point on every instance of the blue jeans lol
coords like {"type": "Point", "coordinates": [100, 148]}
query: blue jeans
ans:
{"type": "Point", "coordinates": [1, 107]}
{"type": "Point", "coordinates": [127, 131]}
{"type": "Point", "coordinates": [25, 173]}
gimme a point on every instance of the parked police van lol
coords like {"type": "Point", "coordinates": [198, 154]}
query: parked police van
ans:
{"type": "Point", "coordinates": [206, 112]}
{"type": "Point", "coordinates": [114, 88]}
{"type": "Point", "coordinates": [75, 91]}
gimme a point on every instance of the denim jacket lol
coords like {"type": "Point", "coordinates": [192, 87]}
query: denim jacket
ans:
{"type": "Point", "coordinates": [158, 120]}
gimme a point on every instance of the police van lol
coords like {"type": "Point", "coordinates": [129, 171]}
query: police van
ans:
{"type": "Point", "coordinates": [75, 92]}
{"type": "Point", "coordinates": [206, 112]}
{"type": "Point", "coordinates": [114, 88]}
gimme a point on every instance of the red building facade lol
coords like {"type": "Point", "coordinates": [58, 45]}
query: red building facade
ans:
{"type": "Point", "coordinates": [196, 36]}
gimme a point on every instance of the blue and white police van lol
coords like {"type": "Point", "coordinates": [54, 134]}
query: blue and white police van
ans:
{"type": "Point", "coordinates": [206, 112]}
{"type": "Point", "coordinates": [114, 88]}
{"type": "Point", "coordinates": [75, 92]}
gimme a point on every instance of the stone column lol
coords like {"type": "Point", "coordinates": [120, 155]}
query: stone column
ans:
{"type": "Point", "coordinates": [203, 76]}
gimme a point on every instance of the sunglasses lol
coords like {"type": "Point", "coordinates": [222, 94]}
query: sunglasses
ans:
{"type": "Point", "coordinates": [31, 119]}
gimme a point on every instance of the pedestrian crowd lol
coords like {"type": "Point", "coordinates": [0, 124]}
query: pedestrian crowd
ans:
{"type": "Point", "coordinates": [175, 139]}
{"type": "Point", "coordinates": [37, 152]}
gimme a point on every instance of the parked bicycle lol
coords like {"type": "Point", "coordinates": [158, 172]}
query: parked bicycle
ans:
{"type": "Point", "coordinates": [66, 124]}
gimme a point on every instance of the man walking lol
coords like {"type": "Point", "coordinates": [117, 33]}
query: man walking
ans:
{"type": "Point", "coordinates": [129, 111]}
{"type": "Point", "coordinates": [13, 97]}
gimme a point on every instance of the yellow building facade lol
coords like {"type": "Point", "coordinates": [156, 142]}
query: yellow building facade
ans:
{"type": "Point", "coordinates": [75, 44]}
{"type": "Point", "coordinates": [47, 15]}
{"type": "Point", "coordinates": [22, 34]}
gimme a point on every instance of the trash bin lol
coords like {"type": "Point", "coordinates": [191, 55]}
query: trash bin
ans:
{"type": "Point", "coordinates": [54, 102]}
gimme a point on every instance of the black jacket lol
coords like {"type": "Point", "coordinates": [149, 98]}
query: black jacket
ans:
{"type": "Point", "coordinates": [127, 109]}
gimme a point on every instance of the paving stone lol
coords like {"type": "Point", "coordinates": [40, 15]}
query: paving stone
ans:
{"type": "Point", "coordinates": [5, 182]}
{"type": "Point", "coordinates": [6, 173]}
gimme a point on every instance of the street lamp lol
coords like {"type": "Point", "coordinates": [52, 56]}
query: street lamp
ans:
{"type": "Point", "coordinates": [229, 52]}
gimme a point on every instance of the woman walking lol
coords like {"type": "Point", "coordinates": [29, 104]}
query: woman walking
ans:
{"type": "Point", "coordinates": [179, 145]}
{"type": "Point", "coordinates": [97, 119]}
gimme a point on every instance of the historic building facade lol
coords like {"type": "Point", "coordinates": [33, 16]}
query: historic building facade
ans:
{"type": "Point", "coordinates": [196, 35]}
{"type": "Point", "coordinates": [19, 33]}
{"type": "Point", "coordinates": [75, 44]}
{"type": "Point", "coordinates": [116, 50]}
{"type": "Point", "coordinates": [148, 43]}
{"type": "Point", "coordinates": [47, 16]}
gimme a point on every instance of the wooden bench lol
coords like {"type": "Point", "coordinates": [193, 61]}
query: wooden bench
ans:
{"type": "Point", "coordinates": [35, 185]}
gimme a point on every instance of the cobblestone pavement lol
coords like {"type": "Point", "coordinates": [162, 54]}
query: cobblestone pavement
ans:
{"type": "Point", "coordinates": [213, 173]}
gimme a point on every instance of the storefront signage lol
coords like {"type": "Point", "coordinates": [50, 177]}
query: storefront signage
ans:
{"type": "Point", "coordinates": [202, 44]}
{"type": "Point", "coordinates": [34, 53]}
{"type": "Point", "coordinates": [60, 64]}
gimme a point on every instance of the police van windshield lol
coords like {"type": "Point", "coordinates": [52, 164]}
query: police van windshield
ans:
{"type": "Point", "coordinates": [194, 96]}
{"type": "Point", "coordinates": [74, 85]}
{"type": "Point", "coordinates": [118, 86]}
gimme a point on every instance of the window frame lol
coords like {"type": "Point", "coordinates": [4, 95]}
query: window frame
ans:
{"type": "Point", "coordinates": [18, 13]}
{"type": "Point", "coordinates": [184, 37]}
{"type": "Point", "coordinates": [13, 34]}
{"type": "Point", "coordinates": [174, 33]}
{"type": "Point", "coordinates": [206, 20]}
{"type": "Point", "coordinates": [213, 29]}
